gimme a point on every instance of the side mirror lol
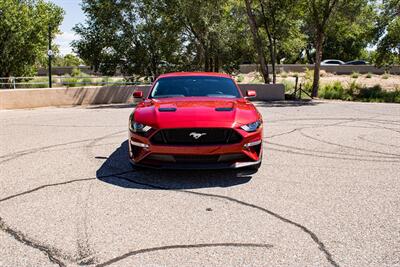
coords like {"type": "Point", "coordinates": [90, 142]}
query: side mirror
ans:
{"type": "Point", "coordinates": [138, 94]}
{"type": "Point", "coordinates": [251, 93]}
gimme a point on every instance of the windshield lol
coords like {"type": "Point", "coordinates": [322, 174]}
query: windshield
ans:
{"type": "Point", "coordinates": [189, 86]}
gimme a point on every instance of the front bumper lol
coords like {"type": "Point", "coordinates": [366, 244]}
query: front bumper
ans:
{"type": "Point", "coordinates": [246, 153]}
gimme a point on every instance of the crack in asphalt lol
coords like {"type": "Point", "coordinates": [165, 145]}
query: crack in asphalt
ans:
{"type": "Point", "coordinates": [85, 251]}
{"type": "Point", "coordinates": [147, 250]}
{"type": "Point", "coordinates": [328, 154]}
{"type": "Point", "coordinates": [18, 235]}
{"type": "Point", "coordinates": [370, 119]}
{"type": "Point", "coordinates": [313, 236]}
{"type": "Point", "coordinates": [21, 153]}
{"type": "Point", "coordinates": [45, 186]}
{"type": "Point", "coordinates": [51, 253]}
{"type": "Point", "coordinates": [362, 137]}
{"type": "Point", "coordinates": [348, 147]}
{"type": "Point", "coordinates": [328, 157]}
{"type": "Point", "coordinates": [331, 154]}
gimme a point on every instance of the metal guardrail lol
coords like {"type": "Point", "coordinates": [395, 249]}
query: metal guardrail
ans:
{"type": "Point", "coordinates": [19, 82]}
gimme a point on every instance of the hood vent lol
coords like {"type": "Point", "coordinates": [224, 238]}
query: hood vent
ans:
{"type": "Point", "coordinates": [223, 109]}
{"type": "Point", "coordinates": [167, 109]}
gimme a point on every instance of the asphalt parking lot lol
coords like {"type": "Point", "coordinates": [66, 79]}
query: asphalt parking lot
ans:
{"type": "Point", "coordinates": [327, 194]}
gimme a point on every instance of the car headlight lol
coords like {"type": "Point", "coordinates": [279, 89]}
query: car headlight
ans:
{"type": "Point", "coordinates": [138, 127]}
{"type": "Point", "coordinates": [251, 127]}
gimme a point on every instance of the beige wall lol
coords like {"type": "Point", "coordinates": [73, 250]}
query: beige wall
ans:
{"type": "Point", "coordinates": [33, 98]}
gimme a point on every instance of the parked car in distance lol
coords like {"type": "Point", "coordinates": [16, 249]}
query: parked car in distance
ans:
{"type": "Point", "coordinates": [332, 62]}
{"type": "Point", "coordinates": [357, 62]}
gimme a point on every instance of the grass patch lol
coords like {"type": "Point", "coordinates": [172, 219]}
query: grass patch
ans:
{"type": "Point", "coordinates": [289, 85]}
{"type": "Point", "coordinates": [385, 76]}
{"type": "Point", "coordinates": [355, 75]}
{"type": "Point", "coordinates": [284, 74]}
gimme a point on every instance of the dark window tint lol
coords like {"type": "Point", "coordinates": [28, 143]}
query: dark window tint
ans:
{"type": "Point", "coordinates": [189, 86]}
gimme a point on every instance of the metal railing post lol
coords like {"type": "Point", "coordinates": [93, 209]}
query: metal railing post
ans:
{"type": "Point", "coordinates": [13, 79]}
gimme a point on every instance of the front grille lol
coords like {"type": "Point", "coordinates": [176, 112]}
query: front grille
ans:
{"type": "Point", "coordinates": [196, 136]}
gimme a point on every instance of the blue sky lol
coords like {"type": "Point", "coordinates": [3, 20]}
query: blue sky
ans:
{"type": "Point", "coordinates": [73, 15]}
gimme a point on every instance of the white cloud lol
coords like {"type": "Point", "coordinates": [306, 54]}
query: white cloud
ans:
{"type": "Point", "coordinates": [64, 40]}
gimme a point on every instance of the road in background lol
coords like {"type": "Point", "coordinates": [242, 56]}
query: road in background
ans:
{"type": "Point", "coordinates": [327, 193]}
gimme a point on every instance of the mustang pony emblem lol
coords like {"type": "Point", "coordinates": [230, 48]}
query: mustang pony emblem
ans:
{"type": "Point", "coordinates": [196, 135]}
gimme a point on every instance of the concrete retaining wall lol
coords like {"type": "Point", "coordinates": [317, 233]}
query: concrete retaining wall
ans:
{"type": "Point", "coordinates": [341, 70]}
{"type": "Point", "coordinates": [33, 98]}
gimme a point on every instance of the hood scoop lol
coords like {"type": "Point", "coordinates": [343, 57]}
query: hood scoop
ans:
{"type": "Point", "coordinates": [224, 109]}
{"type": "Point", "coordinates": [167, 109]}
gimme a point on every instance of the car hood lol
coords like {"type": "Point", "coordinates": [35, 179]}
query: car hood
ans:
{"type": "Point", "coordinates": [195, 112]}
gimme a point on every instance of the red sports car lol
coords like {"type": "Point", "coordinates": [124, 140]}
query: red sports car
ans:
{"type": "Point", "coordinates": [195, 121]}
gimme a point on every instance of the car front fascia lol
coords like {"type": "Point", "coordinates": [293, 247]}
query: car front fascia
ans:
{"type": "Point", "coordinates": [146, 148]}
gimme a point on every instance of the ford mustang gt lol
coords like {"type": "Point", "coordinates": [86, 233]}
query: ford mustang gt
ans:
{"type": "Point", "coordinates": [195, 121]}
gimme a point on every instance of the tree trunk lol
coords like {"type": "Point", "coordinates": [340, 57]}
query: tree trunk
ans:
{"type": "Point", "coordinates": [257, 42]}
{"type": "Point", "coordinates": [216, 63]}
{"type": "Point", "coordinates": [206, 59]}
{"type": "Point", "coordinates": [272, 44]}
{"type": "Point", "coordinates": [318, 58]}
{"type": "Point", "coordinates": [273, 59]}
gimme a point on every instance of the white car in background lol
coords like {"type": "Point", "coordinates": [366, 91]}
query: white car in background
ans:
{"type": "Point", "coordinates": [332, 62]}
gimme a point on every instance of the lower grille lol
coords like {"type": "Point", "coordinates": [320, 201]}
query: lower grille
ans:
{"type": "Point", "coordinates": [196, 136]}
{"type": "Point", "coordinates": [196, 158]}
{"type": "Point", "coordinates": [200, 159]}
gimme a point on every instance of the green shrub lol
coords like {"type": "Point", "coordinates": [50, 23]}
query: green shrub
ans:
{"type": "Point", "coordinates": [70, 82]}
{"type": "Point", "coordinates": [385, 76]}
{"type": "Point", "coordinates": [333, 91]}
{"type": "Point", "coordinates": [76, 72]}
{"type": "Point", "coordinates": [289, 85]}
{"type": "Point", "coordinates": [39, 82]}
{"type": "Point", "coordinates": [239, 78]}
{"type": "Point", "coordinates": [86, 81]}
{"type": "Point", "coordinates": [309, 75]}
{"type": "Point", "coordinates": [105, 80]}
{"type": "Point", "coordinates": [371, 92]}
{"type": "Point", "coordinates": [284, 74]}
{"type": "Point", "coordinates": [307, 86]}
{"type": "Point", "coordinates": [355, 75]}
{"type": "Point", "coordinates": [369, 75]}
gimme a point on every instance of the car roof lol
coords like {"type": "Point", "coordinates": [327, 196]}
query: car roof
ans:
{"type": "Point", "coordinates": [333, 60]}
{"type": "Point", "coordinates": [182, 74]}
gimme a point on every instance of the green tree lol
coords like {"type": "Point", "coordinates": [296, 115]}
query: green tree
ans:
{"type": "Point", "coordinates": [322, 16]}
{"type": "Point", "coordinates": [257, 40]}
{"type": "Point", "coordinates": [148, 37]}
{"type": "Point", "coordinates": [24, 34]}
{"type": "Point", "coordinates": [388, 37]}
{"type": "Point", "coordinates": [350, 34]}
{"type": "Point", "coordinates": [281, 21]}
{"type": "Point", "coordinates": [133, 35]}
{"type": "Point", "coordinates": [68, 60]}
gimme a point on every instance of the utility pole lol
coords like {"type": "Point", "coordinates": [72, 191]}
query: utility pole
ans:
{"type": "Point", "coordinates": [50, 55]}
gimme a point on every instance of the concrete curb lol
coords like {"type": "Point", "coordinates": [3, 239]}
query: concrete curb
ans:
{"type": "Point", "coordinates": [93, 95]}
